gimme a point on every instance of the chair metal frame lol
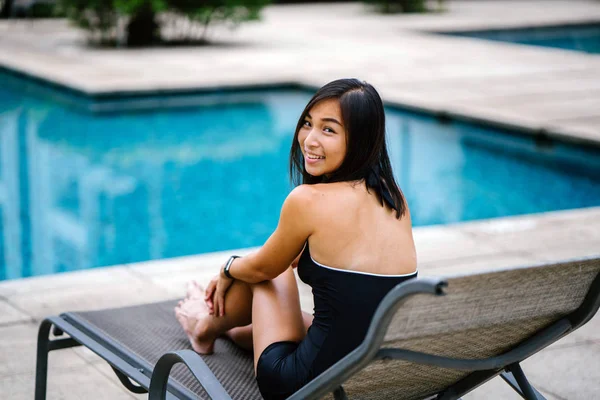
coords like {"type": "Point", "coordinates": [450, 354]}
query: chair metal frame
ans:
{"type": "Point", "coordinates": [155, 379]}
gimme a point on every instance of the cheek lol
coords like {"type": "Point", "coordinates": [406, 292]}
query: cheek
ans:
{"type": "Point", "coordinates": [340, 149]}
{"type": "Point", "coordinates": [301, 139]}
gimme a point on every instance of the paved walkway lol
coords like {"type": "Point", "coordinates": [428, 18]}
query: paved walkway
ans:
{"type": "Point", "coordinates": [534, 88]}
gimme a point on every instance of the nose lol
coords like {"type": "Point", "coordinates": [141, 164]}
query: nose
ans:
{"type": "Point", "coordinates": [311, 140]}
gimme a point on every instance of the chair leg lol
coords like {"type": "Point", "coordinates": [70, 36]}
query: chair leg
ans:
{"type": "Point", "coordinates": [41, 369]}
{"type": "Point", "coordinates": [517, 380]}
{"type": "Point", "coordinates": [340, 394]}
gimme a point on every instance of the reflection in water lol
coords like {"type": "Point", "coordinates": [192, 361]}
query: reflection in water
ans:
{"type": "Point", "coordinates": [80, 190]}
{"type": "Point", "coordinates": [112, 189]}
{"type": "Point", "coordinates": [10, 211]}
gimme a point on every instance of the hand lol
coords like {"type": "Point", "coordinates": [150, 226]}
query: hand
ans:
{"type": "Point", "coordinates": [209, 294]}
{"type": "Point", "coordinates": [215, 294]}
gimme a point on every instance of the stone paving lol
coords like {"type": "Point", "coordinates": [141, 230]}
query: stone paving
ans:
{"type": "Point", "coordinates": [534, 89]}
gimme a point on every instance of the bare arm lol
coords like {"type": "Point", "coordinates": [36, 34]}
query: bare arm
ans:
{"type": "Point", "coordinates": [285, 244]}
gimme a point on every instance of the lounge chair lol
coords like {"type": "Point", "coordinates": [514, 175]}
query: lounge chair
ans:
{"type": "Point", "coordinates": [430, 338]}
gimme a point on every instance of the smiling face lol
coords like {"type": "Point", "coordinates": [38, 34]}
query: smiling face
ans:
{"type": "Point", "coordinates": [322, 138]}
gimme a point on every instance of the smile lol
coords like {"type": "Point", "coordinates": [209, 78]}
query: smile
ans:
{"type": "Point", "coordinates": [314, 157]}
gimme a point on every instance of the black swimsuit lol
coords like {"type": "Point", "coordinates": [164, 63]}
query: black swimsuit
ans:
{"type": "Point", "coordinates": [345, 302]}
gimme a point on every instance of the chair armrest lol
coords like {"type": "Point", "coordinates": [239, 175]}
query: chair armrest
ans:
{"type": "Point", "coordinates": [162, 369]}
{"type": "Point", "coordinates": [360, 357]}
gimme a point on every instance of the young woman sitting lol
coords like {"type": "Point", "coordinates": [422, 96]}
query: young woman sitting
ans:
{"type": "Point", "coordinates": [346, 227]}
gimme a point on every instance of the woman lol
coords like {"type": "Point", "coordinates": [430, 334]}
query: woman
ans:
{"type": "Point", "coordinates": [348, 214]}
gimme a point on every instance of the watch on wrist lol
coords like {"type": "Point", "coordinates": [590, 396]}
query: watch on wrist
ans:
{"type": "Point", "coordinates": [228, 265]}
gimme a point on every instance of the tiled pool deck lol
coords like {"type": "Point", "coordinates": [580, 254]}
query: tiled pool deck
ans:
{"type": "Point", "coordinates": [541, 89]}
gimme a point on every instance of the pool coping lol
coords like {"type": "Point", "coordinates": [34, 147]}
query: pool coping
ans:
{"type": "Point", "coordinates": [460, 114]}
{"type": "Point", "coordinates": [520, 26]}
{"type": "Point", "coordinates": [488, 239]}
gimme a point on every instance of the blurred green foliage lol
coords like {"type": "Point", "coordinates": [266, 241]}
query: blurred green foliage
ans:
{"type": "Point", "coordinates": [147, 22]}
{"type": "Point", "coordinates": [45, 10]}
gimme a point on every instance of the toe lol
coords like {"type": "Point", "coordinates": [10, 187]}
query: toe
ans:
{"type": "Point", "coordinates": [189, 289]}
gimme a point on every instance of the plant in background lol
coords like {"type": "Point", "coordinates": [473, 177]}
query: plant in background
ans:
{"type": "Point", "coordinates": [148, 22]}
{"type": "Point", "coordinates": [141, 28]}
{"type": "Point", "coordinates": [404, 6]}
{"type": "Point", "coordinates": [98, 17]}
{"type": "Point", "coordinates": [190, 20]}
{"type": "Point", "coordinates": [5, 8]}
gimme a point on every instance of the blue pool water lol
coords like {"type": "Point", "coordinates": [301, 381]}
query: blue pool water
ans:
{"type": "Point", "coordinates": [81, 190]}
{"type": "Point", "coordinates": [584, 38]}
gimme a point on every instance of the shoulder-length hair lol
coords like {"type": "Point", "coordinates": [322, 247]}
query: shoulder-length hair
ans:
{"type": "Point", "coordinates": [366, 151]}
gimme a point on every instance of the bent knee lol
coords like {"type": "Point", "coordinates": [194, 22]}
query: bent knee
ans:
{"type": "Point", "coordinates": [285, 278]}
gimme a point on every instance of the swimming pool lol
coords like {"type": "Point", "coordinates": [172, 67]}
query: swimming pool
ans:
{"type": "Point", "coordinates": [200, 173]}
{"type": "Point", "coordinates": [581, 37]}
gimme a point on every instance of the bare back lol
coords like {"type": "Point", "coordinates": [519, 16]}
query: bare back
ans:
{"type": "Point", "coordinates": [356, 232]}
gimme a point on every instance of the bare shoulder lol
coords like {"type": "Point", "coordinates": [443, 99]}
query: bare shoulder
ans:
{"type": "Point", "coordinates": [334, 189]}
{"type": "Point", "coordinates": [301, 201]}
{"type": "Point", "coordinates": [312, 199]}
{"type": "Point", "coordinates": [302, 196]}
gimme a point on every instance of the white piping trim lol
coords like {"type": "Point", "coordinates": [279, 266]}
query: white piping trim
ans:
{"type": "Point", "coordinates": [360, 272]}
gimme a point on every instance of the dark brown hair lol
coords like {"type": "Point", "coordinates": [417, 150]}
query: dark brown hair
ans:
{"type": "Point", "coordinates": [366, 153]}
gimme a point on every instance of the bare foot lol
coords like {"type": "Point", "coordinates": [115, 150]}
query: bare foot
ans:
{"type": "Point", "coordinates": [192, 314]}
{"type": "Point", "coordinates": [194, 290]}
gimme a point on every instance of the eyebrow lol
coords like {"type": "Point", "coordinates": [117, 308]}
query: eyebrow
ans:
{"type": "Point", "coordinates": [327, 119]}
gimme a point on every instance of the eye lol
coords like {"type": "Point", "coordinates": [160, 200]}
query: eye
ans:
{"type": "Point", "coordinates": [328, 130]}
{"type": "Point", "coordinates": [306, 123]}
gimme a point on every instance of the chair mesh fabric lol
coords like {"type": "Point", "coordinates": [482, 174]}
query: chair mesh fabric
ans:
{"type": "Point", "coordinates": [481, 316]}
{"type": "Point", "coordinates": [148, 331]}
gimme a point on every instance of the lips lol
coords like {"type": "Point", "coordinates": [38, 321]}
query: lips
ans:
{"type": "Point", "coordinates": [312, 156]}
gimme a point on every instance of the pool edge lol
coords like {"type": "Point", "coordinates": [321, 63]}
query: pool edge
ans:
{"type": "Point", "coordinates": [477, 118]}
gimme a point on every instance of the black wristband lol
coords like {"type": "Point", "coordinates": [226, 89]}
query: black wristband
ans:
{"type": "Point", "coordinates": [228, 265]}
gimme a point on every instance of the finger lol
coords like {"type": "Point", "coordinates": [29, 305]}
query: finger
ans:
{"type": "Point", "coordinates": [221, 301]}
{"type": "Point", "coordinates": [210, 289]}
{"type": "Point", "coordinates": [209, 294]}
{"type": "Point", "coordinates": [210, 305]}
{"type": "Point", "coordinates": [210, 300]}
{"type": "Point", "coordinates": [216, 305]}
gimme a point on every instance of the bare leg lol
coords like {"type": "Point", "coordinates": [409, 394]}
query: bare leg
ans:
{"type": "Point", "coordinates": [201, 327]}
{"type": "Point", "coordinates": [273, 307]}
{"type": "Point", "coordinates": [242, 336]}
{"type": "Point", "coordinates": [276, 313]}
